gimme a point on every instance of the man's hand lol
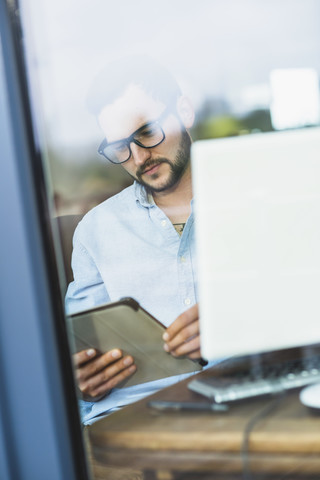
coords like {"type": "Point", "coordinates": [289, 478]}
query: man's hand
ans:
{"type": "Point", "coordinates": [97, 374]}
{"type": "Point", "coordinates": [182, 337]}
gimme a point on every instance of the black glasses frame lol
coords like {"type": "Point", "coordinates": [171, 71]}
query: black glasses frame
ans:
{"type": "Point", "coordinates": [127, 141]}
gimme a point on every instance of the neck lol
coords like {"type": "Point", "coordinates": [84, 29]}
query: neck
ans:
{"type": "Point", "coordinates": [176, 202]}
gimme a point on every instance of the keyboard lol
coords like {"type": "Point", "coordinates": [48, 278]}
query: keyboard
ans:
{"type": "Point", "coordinates": [275, 379]}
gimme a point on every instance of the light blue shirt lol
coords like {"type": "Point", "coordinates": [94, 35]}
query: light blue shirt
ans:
{"type": "Point", "coordinates": [127, 246]}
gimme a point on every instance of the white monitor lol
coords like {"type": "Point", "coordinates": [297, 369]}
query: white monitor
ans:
{"type": "Point", "coordinates": [257, 210]}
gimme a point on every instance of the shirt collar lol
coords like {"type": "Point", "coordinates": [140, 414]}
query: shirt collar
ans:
{"type": "Point", "coordinates": [142, 196]}
{"type": "Point", "coordinates": [146, 199]}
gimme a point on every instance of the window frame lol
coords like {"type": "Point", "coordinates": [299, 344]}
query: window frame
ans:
{"type": "Point", "coordinates": [40, 435]}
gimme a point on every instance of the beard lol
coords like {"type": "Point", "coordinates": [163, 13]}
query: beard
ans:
{"type": "Point", "coordinates": [177, 167]}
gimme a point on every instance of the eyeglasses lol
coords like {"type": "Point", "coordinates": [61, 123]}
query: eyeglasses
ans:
{"type": "Point", "coordinates": [148, 136]}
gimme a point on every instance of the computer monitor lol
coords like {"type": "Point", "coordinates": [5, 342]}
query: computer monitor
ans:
{"type": "Point", "coordinates": [257, 210]}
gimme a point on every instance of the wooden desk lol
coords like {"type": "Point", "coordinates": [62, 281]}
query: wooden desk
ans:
{"type": "Point", "coordinates": [141, 443]}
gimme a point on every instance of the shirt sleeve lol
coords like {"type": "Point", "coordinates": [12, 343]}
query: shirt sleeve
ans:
{"type": "Point", "coordinates": [88, 289]}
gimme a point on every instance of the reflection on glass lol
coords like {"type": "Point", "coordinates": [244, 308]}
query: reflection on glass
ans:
{"type": "Point", "coordinates": [132, 245]}
{"type": "Point", "coordinates": [201, 74]}
{"type": "Point", "coordinates": [296, 98]}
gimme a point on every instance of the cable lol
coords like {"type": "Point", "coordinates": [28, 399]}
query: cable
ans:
{"type": "Point", "coordinates": [267, 409]}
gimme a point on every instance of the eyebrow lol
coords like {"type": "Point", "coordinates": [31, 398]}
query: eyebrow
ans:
{"type": "Point", "coordinates": [105, 141]}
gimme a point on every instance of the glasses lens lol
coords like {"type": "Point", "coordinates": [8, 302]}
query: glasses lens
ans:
{"type": "Point", "coordinates": [117, 152]}
{"type": "Point", "coordinates": [149, 135]}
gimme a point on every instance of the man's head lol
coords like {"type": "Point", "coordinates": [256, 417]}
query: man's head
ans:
{"type": "Point", "coordinates": [145, 119]}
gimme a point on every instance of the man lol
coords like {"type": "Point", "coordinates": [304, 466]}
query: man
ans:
{"type": "Point", "coordinates": [139, 243]}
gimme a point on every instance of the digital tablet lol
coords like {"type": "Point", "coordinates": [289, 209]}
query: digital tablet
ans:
{"type": "Point", "coordinates": [127, 326]}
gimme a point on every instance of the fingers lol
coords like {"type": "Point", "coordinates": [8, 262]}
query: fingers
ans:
{"type": "Point", "coordinates": [184, 319]}
{"type": "Point", "coordinates": [190, 348]}
{"type": "Point", "coordinates": [110, 383]}
{"type": "Point", "coordinates": [97, 363]}
{"type": "Point", "coordinates": [83, 356]}
{"type": "Point", "coordinates": [182, 337]}
{"type": "Point", "coordinates": [98, 374]}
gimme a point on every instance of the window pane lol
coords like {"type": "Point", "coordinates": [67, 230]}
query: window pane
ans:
{"type": "Point", "coordinates": [220, 67]}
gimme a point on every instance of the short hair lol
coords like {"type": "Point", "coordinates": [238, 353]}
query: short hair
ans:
{"type": "Point", "coordinates": [139, 70]}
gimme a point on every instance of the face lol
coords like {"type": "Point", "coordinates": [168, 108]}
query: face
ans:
{"type": "Point", "coordinates": [159, 168]}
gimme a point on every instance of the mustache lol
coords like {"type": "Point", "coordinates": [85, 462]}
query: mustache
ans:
{"type": "Point", "coordinates": [150, 164]}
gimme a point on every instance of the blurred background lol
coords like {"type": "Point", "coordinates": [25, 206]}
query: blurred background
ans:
{"type": "Point", "coordinates": [247, 65]}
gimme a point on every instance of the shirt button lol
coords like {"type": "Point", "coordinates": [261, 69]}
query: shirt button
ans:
{"type": "Point", "coordinates": [187, 301]}
{"type": "Point", "coordinates": [182, 259]}
{"type": "Point", "coordinates": [163, 223]}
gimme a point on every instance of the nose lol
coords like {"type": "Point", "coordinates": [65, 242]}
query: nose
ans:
{"type": "Point", "coordinates": [139, 154]}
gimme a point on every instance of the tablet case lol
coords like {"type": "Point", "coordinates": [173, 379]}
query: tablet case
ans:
{"type": "Point", "coordinates": [127, 326]}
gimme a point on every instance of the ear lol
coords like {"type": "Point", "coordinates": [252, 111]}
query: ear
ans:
{"type": "Point", "coordinates": [185, 111]}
